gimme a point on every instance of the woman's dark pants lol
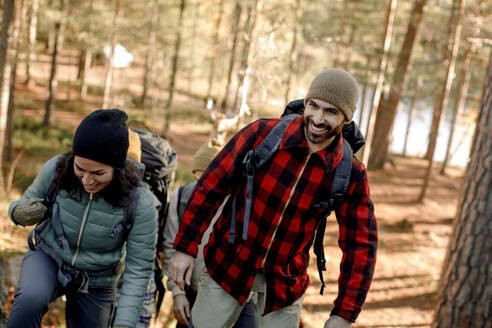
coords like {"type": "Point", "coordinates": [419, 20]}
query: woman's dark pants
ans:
{"type": "Point", "coordinates": [39, 286]}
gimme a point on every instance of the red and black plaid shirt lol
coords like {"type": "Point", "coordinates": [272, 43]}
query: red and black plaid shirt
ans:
{"type": "Point", "coordinates": [284, 192]}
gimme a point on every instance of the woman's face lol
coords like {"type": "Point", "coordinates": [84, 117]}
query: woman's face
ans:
{"type": "Point", "coordinates": [95, 176]}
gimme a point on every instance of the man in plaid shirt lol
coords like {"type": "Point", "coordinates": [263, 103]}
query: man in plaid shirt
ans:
{"type": "Point", "coordinates": [271, 256]}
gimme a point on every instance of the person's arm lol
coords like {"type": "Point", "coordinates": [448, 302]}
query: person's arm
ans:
{"type": "Point", "coordinates": [170, 231]}
{"type": "Point", "coordinates": [140, 252]}
{"type": "Point", "coordinates": [358, 242]}
{"type": "Point", "coordinates": [37, 190]}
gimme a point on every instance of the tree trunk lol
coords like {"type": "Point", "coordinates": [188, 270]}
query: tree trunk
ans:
{"type": "Point", "coordinates": [363, 92]}
{"type": "Point", "coordinates": [17, 32]}
{"type": "Point", "coordinates": [465, 298]}
{"type": "Point", "coordinates": [7, 55]}
{"type": "Point", "coordinates": [80, 64]}
{"type": "Point", "coordinates": [244, 68]}
{"type": "Point", "coordinates": [235, 31]}
{"type": "Point", "coordinates": [215, 46]}
{"type": "Point", "coordinates": [31, 55]}
{"type": "Point", "coordinates": [245, 81]}
{"type": "Point", "coordinates": [338, 57]}
{"type": "Point", "coordinates": [174, 69]}
{"type": "Point", "coordinates": [293, 47]}
{"type": "Point", "coordinates": [63, 24]}
{"type": "Point", "coordinates": [108, 75]}
{"type": "Point", "coordinates": [388, 30]}
{"type": "Point", "coordinates": [155, 87]}
{"type": "Point", "coordinates": [411, 112]}
{"type": "Point", "coordinates": [365, 88]}
{"type": "Point", "coordinates": [52, 81]}
{"type": "Point", "coordinates": [149, 56]}
{"type": "Point", "coordinates": [192, 40]}
{"type": "Point", "coordinates": [386, 114]}
{"type": "Point", "coordinates": [50, 40]}
{"type": "Point", "coordinates": [454, 41]}
{"type": "Point", "coordinates": [459, 105]}
{"type": "Point", "coordinates": [347, 63]}
{"type": "Point", "coordinates": [84, 73]}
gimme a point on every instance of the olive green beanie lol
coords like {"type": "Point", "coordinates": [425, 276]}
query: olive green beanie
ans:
{"type": "Point", "coordinates": [336, 87]}
{"type": "Point", "coordinates": [205, 154]}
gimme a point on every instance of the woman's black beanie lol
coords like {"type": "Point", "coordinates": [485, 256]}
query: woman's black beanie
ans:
{"type": "Point", "coordinates": [102, 136]}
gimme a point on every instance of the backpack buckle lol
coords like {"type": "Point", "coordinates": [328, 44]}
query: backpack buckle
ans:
{"type": "Point", "coordinates": [324, 205]}
{"type": "Point", "coordinates": [248, 163]}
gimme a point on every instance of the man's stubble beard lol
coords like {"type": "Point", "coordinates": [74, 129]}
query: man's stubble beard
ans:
{"type": "Point", "coordinates": [320, 139]}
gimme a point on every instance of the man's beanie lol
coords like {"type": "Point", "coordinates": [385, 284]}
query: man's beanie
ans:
{"type": "Point", "coordinates": [336, 87]}
{"type": "Point", "coordinates": [205, 155]}
{"type": "Point", "coordinates": [102, 136]}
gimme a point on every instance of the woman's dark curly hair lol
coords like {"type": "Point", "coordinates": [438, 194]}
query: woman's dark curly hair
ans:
{"type": "Point", "coordinates": [115, 193]}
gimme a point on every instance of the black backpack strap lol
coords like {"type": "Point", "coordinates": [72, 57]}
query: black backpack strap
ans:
{"type": "Point", "coordinates": [254, 159]}
{"type": "Point", "coordinates": [320, 252]}
{"type": "Point", "coordinates": [338, 191]}
{"type": "Point", "coordinates": [184, 195]}
{"type": "Point", "coordinates": [180, 194]}
{"type": "Point", "coordinates": [129, 216]}
{"type": "Point", "coordinates": [53, 211]}
{"type": "Point", "coordinates": [57, 225]}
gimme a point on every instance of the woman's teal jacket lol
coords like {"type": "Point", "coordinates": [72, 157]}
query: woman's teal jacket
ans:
{"type": "Point", "coordinates": [88, 221]}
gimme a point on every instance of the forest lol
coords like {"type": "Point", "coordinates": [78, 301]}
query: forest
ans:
{"type": "Point", "coordinates": [193, 70]}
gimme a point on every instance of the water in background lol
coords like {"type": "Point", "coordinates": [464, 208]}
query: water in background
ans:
{"type": "Point", "coordinates": [418, 137]}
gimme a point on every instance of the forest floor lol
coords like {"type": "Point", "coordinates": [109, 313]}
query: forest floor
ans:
{"type": "Point", "coordinates": [413, 237]}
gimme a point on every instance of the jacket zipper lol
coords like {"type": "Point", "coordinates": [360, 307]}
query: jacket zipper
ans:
{"type": "Point", "coordinates": [82, 226]}
{"type": "Point", "coordinates": [283, 210]}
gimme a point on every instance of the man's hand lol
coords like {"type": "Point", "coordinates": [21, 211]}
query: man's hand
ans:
{"type": "Point", "coordinates": [181, 268]}
{"type": "Point", "coordinates": [181, 309]}
{"type": "Point", "coordinates": [337, 322]}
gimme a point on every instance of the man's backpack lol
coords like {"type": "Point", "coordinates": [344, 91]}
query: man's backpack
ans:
{"type": "Point", "coordinates": [256, 158]}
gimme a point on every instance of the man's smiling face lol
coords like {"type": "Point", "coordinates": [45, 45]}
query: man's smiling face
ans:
{"type": "Point", "coordinates": [322, 122]}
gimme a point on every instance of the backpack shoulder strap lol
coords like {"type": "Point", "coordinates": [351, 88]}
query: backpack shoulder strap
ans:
{"type": "Point", "coordinates": [184, 195]}
{"type": "Point", "coordinates": [128, 217]}
{"type": "Point", "coordinates": [342, 173]}
{"type": "Point", "coordinates": [52, 212]}
{"type": "Point", "coordinates": [338, 191]}
{"type": "Point", "coordinates": [270, 144]}
{"type": "Point", "coordinates": [254, 159]}
{"type": "Point", "coordinates": [52, 191]}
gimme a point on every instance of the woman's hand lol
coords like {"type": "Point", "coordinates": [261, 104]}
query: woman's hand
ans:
{"type": "Point", "coordinates": [181, 309]}
{"type": "Point", "coordinates": [29, 212]}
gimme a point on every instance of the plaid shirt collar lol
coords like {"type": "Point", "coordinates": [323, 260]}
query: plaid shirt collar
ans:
{"type": "Point", "coordinates": [294, 137]}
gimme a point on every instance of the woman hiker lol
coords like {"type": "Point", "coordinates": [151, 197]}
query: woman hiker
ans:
{"type": "Point", "coordinates": [95, 222]}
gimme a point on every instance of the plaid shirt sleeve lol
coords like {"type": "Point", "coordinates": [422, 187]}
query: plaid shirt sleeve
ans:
{"type": "Point", "coordinates": [358, 242]}
{"type": "Point", "coordinates": [216, 182]}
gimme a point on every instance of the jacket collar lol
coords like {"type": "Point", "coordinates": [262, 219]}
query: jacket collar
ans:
{"type": "Point", "coordinates": [294, 137]}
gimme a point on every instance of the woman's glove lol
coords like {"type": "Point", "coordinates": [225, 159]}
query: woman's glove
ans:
{"type": "Point", "coordinates": [29, 212]}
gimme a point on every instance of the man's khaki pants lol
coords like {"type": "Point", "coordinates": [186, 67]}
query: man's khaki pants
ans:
{"type": "Point", "coordinates": [215, 308]}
